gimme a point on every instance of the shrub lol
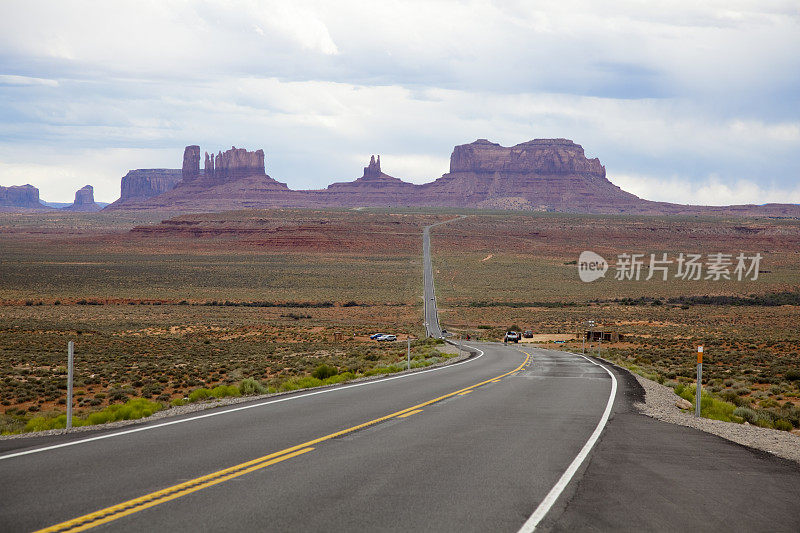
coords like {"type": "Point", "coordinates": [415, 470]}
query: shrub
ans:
{"type": "Point", "coordinates": [300, 383]}
{"type": "Point", "coordinates": [793, 375]}
{"type": "Point", "coordinates": [199, 394]}
{"type": "Point", "coordinates": [752, 416]}
{"type": "Point", "coordinates": [130, 410]}
{"type": "Point", "coordinates": [223, 391]}
{"type": "Point", "coordinates": [783, 425]}
{"type": "Point", "coordinates": [250, 386]}
{"type": "Point", "coordinates": [324, 371]}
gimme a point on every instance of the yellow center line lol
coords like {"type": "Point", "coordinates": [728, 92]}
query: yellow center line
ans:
{"type": "Point", "coordinates": [141, 503]}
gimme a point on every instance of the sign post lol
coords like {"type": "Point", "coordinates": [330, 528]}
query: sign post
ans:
{"type": "Point", "coordinates": [698, 394]}
{"type": "Point", "coordinates": [70, 357]}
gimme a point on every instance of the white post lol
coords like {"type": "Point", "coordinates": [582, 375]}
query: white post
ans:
{"type": "Point", "coordinates": [70, 356]}
{"type": "Point", "coordinates": [698, 395]}
{"type": "Point", "coordinates": [408, 351]}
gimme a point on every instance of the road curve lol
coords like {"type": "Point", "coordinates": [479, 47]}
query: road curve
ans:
{"type": "Point", "coordinates": [512, 438]}
{"type": "Point", "coordinates": [469, 447]}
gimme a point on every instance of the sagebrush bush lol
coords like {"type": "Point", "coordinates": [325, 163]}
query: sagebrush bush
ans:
{"type": "Point", "coordinates": [250, 386]}
{"type": "Point", "coordinates": [199, 394]}
{"type": "Point", "coordinates": [130, 410]}
{"type": "Point", "coordinates": [324, 371]}
{"type": "Point", "coordinates": [783, 425]}
{"type": "Point", "coordinates": [224, 391]}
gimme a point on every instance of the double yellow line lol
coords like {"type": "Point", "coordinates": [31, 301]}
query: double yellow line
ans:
{"type": "Point", "coordinates": [115, 512]}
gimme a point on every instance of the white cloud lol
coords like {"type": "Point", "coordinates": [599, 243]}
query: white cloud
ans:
{"type": "Point", "coordinates": [58, 175]}
{"type": "Point", "coordinates": [8, 79]}
{"type": "Point", "coordinates": [416, 168]}
{"type": "Point", "coordinates": [711, 191]}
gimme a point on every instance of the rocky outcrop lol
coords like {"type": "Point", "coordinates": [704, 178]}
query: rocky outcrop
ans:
{"type": "Point", "coordinates": [191, 164]}
{"type": "Point", "coordinates": [149, 182]}
{"type": "Point", "coordinates": [373, 188]}
{"type": "Point", "coordinates": [232, 165]}
{"type": "Point", "coordinates": [225, 167]}
{"type": "Point", "coordinates": [84, 201]}
{"type": "Point", "coordinates": [141, 184]}
{"type": "Point", "coordinates": [373, 170]}
{"type": "Point", "coordinates": [542, 174]}
{"type": "Point", "coordinates": [539, 156]}
{"type": "Point", "coordinates": [20, 197]}
{"type": "Point", "coordinates": [538, 175]}
{"type": "Point", "coordinates": [234, 179]}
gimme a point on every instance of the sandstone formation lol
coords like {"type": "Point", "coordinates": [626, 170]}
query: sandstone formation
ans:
{"type": "Point", "coordinates": [232, 165]}
{"type": "Point", "coordinates": [84, 201]}
{"type": "Point", "coordinates": [20, 197]}
{"type": "Point", "coordinates": [234, 179]}
{"type": "Point", "coordinates": [373, 188]}
{"type": "Point", "coordinates": [540, 175]}
{"type": "Point", "coordinates": [146, 183]}
{"type": "Point", "coordinates": [191, 164]}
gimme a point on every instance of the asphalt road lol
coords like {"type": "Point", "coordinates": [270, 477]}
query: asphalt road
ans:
{"type": "Point", "coordinates": [480, 461]}
{"type": "Point", "coordinates": [431, 314]}
{"type": "Point", "coordinates": [432, 327]}
{"type": "Point", "coordinates": [480, 458]}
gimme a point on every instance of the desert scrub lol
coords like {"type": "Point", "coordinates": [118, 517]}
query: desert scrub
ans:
{"type": "Point", "coordinates": [220, 391]}
{"type": "Point", "coordinates": [130, 410]}
{"type": "Point", "coordinates": [250, 386]}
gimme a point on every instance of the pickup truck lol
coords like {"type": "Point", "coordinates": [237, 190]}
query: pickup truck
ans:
{"type": "Point", "coordinates": [511, 336]}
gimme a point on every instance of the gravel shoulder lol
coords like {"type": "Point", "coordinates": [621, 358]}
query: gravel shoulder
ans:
{"type": "Point", "coordinates": [660, 404]}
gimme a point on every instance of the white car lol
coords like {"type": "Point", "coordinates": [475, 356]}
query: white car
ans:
{"type": "Point", "coordinates": [387, 337]}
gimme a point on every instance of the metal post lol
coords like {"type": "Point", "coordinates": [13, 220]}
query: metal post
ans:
{"type": "Point", "coordinates": [408, 352]}
{"type": "Point", "coordinates": [70, 356]}
{"type": "Point", "coordinates": [698, 395]}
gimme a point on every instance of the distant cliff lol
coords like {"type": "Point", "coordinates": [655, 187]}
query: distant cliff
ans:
{"type": "Point", "coordinates": [541, 175]}
{"type": "Point", "coordinates": [17, 197]}
{"type": "Point", "coordinates": [144, 183]}
{"type": "Point", "coordinates": [84, 201]}
{"type": "Point", "coordinates": [234, 179]}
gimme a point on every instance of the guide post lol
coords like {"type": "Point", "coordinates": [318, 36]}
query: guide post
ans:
{"type": "Point", "coordinates": [70, 356]}
{"type": "Point", "coordinates": [698, 394]}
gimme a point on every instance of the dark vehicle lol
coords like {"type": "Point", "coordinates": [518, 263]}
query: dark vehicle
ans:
{"type": "Point", "coordinates": [528, 334]}
{"type": "Point", "coordinates": [511, 336]}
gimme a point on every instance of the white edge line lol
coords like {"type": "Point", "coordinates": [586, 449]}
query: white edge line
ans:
{"type": "Point", "coordinates": [241, 408]}
{"type": "Point", "coordinates": [544, 507]}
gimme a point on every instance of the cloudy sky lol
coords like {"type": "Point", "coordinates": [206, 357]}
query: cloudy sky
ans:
{"type": "Point", "coordinates": [686, 101]}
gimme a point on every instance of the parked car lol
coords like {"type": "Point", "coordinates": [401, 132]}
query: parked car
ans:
{"type": "Point", "coordinates": [528, 334]}
{"type": "Point", "coordinates": [387, 338]}
{"type": "Point", "coordinates": [511, 336]}
{"type": "Point", "coordinates": [376, 335]}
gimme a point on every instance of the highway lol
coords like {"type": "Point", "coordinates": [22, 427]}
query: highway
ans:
{"type": "Point", "coordinates": [468, 447]}
{"type": "Point", "coordinates": [511, 439]}
{"type": "Point", "coordinates": [431, 316]}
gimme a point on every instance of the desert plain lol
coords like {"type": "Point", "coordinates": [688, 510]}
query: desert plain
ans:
{"type": "Point", "coordinates": [161, 305]}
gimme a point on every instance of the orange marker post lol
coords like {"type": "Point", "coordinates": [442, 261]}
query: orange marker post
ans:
{"type": "Point", "coordinates": [698, 395]}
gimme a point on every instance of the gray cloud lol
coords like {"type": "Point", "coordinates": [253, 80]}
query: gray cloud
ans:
{"type": "Point", "coordinates": [686, 93]}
